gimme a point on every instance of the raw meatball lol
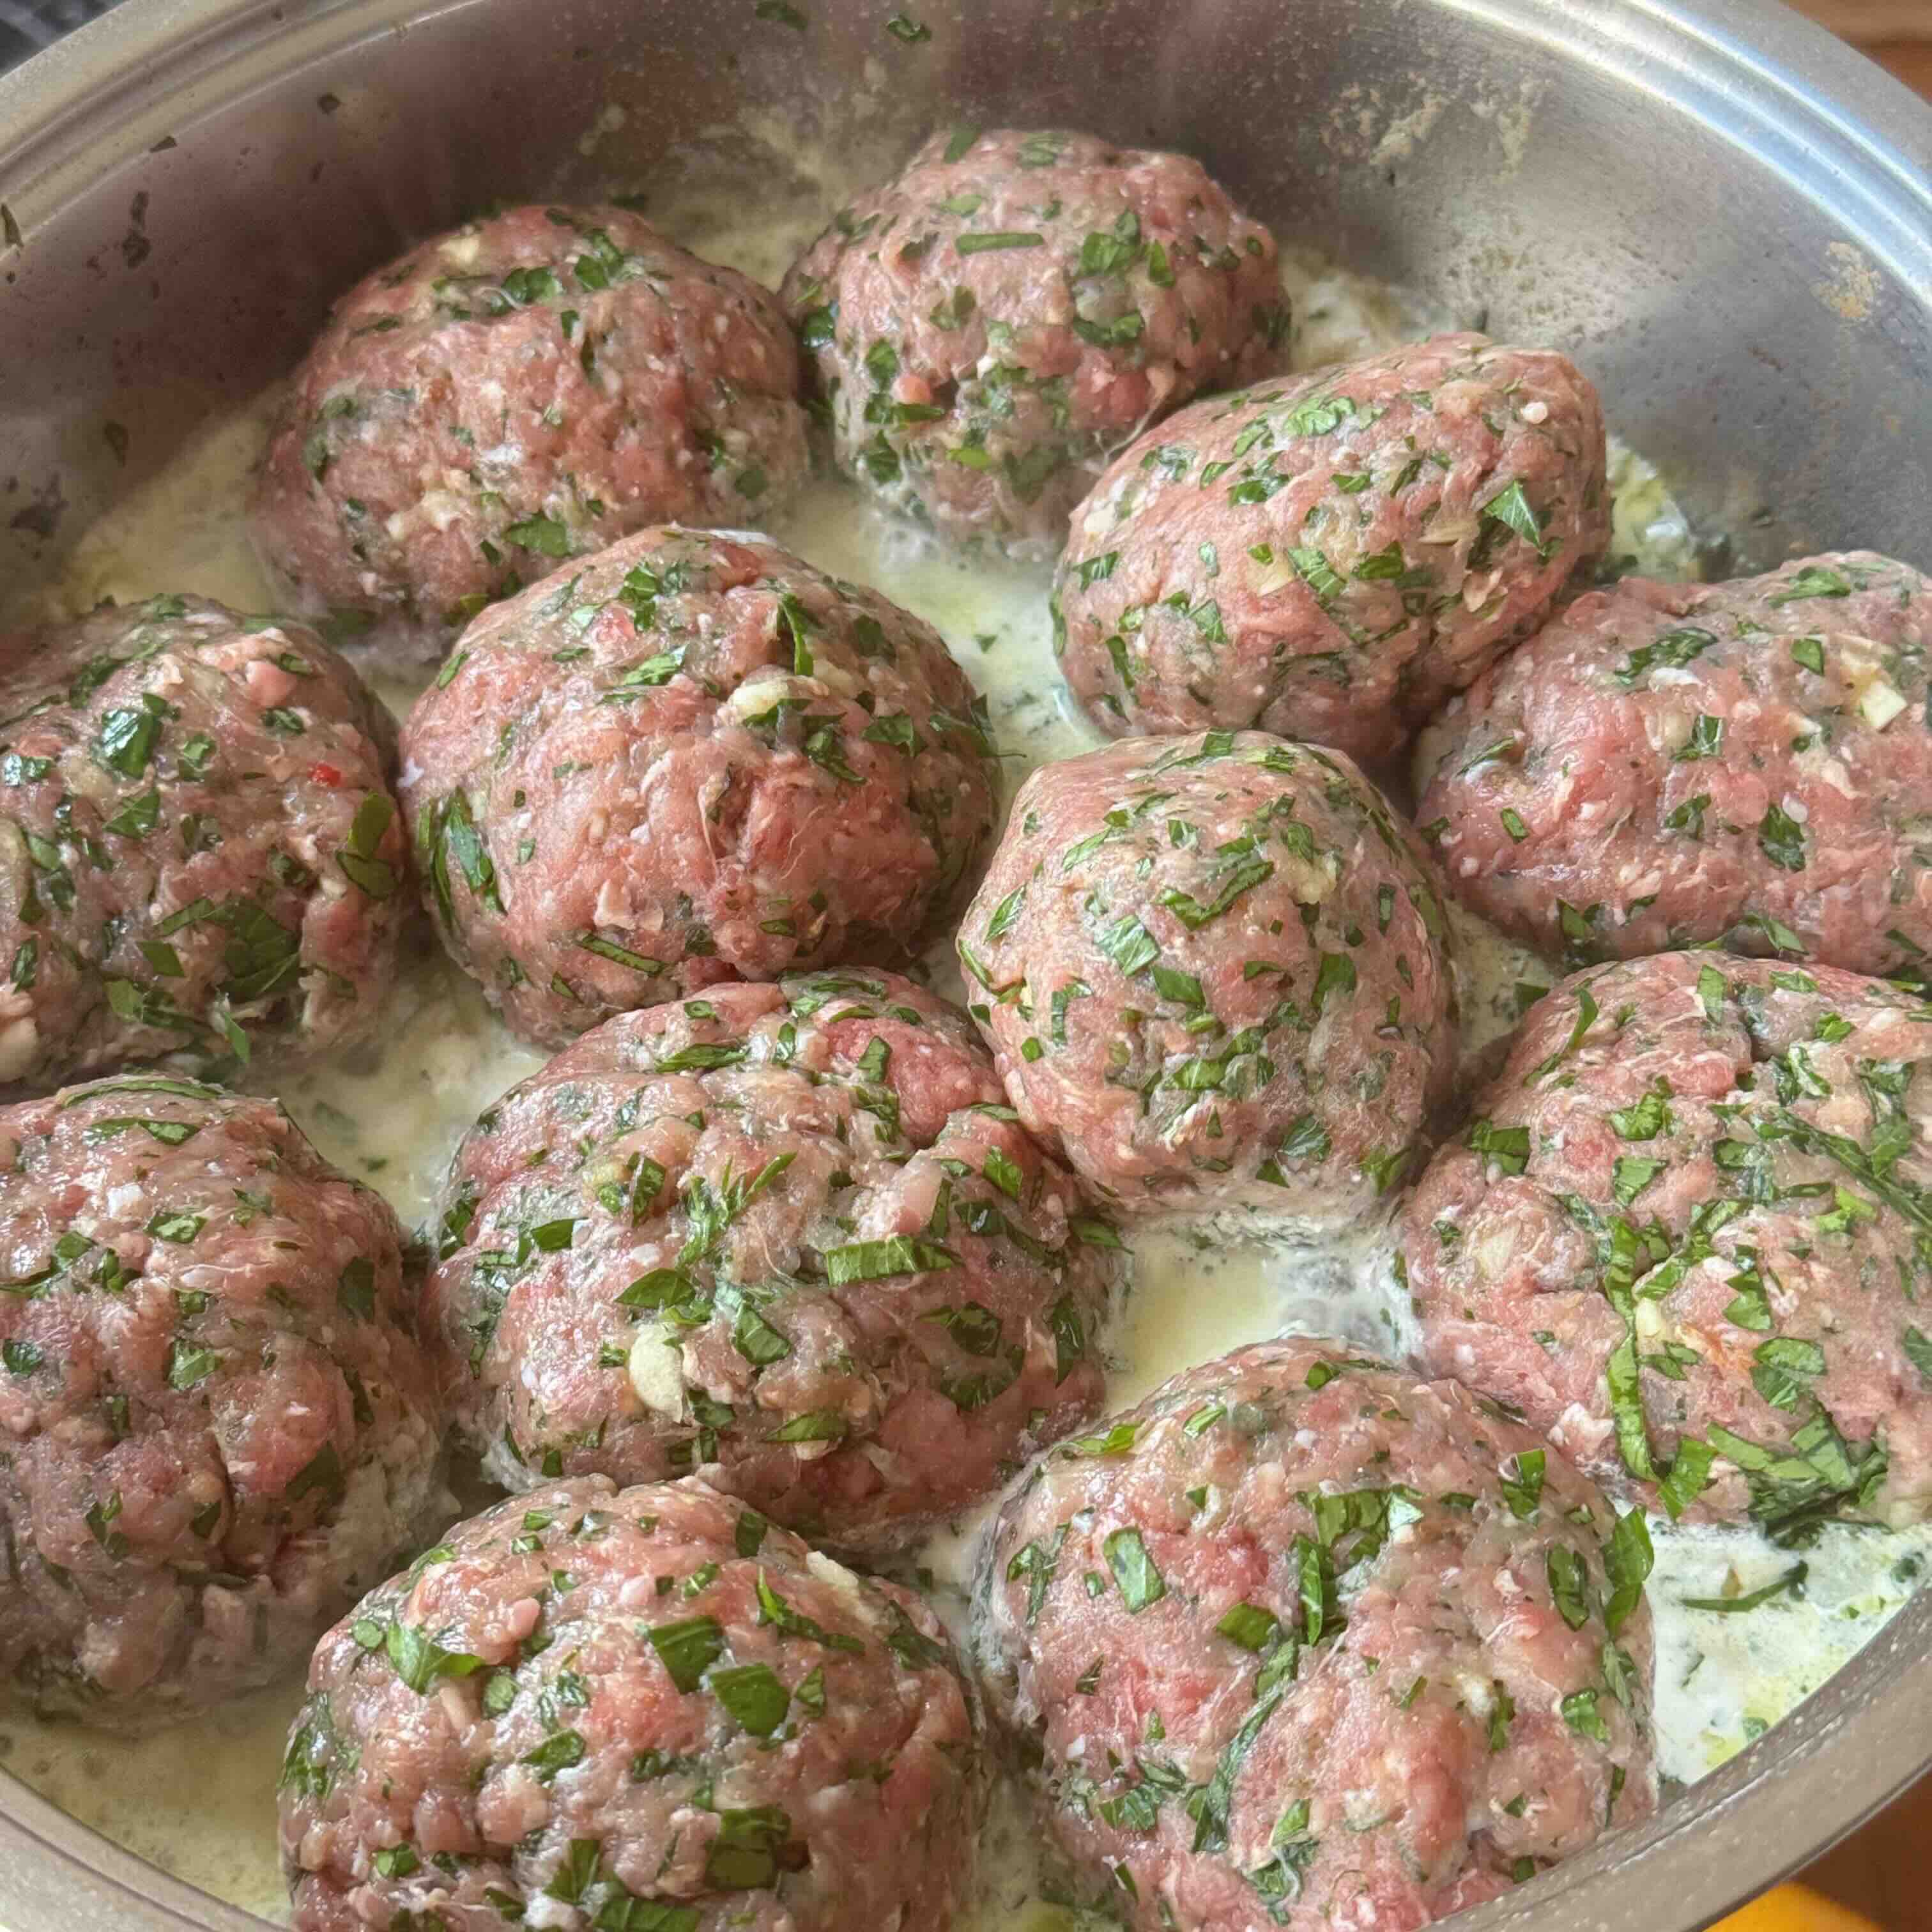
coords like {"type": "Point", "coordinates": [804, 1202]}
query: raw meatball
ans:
{"type": "Point", "coordinates": [1216, 979]}
{"type": "Point", "coordinates": [790, 1233]}
{"type": "Point", "coordinates": [691, 758]}
{"type": "Point", "coordinates": [219, 1426]}
{"type": "Point", "coordinates": [1667, 764]}
{"type": "Point", "coordinates": [198, 849]}
{"type": "Point", "coordinates": [528, 387]}
{"type": "Point", "coordinates": [1303, 1640]}
{"type": "Point", "coordinates": [993, 325]}
{"type": "Point", "coordinates": [1685, 1233]}
{"type": "Point", "coordinates": [1330, 557]}
{"type": "Point", "coordinates": [645, 1709]}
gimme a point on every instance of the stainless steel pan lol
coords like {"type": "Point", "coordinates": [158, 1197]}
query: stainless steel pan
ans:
{"type": "Point", "coordinates": [1727, 216]}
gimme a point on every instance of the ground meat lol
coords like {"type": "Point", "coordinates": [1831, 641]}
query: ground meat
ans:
{"type": "Point", "coordinates": [792, 1234]}
{"type": "Point", "coordinates": [530, 388]}
{"type": "Point", "coordinates": [692, 758]}
{"type": "Point", "coordinates": [645, 1708]}
{"type": "Point", "coordinates": [1302, 1640]}
{"type": "Point", "coordinates": [219, 1428]}
{"type": "Point", "coordinates": [1330, 557]}
{"type": "Point", "coordinates": [1684, 1235]}
{"type": "Point", "coordinates": [1668, 764]}
{"type": "Point", "coordinates": [1214, 975]}
{"type": "Point", "coordinates": [198, 849]}
{"type": "Point", "coordinates": [993, 325]}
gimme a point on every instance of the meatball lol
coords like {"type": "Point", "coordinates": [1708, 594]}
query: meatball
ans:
{"type": "Point", "coordinates": [199, 852]}
{"type": "Point", "coordinates": [1332, 557]}
{"type": "Point", "coordinates": [1685, 1234]}
{"type": "Point", "coordinates": [1303, 1640]}
{"type": "Point", "coordinates": [526, 388]}
{"type": "Point", "coordinates": [790, 1233]}
{"type": "Point", "coordinates": [646, 1707]}
{"type": "Point", "coordinates": [993, 325]}
{"type": "Point", "coordinates": [1668, 764]}
{"type": "Point", "coordinates": [1216, 978]}
{"type": "Point", "coordinates": [219, 1424]}
{"type": "Point", "coordinates": [691, 758]}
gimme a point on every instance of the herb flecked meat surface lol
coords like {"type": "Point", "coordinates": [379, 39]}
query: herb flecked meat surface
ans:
{"type": "Point", "coordinates": [1213, 971]}
{"type": "Point", "coordinates": [1688, 1234]}
{"type": "Point", "coordinates": [992, 325]}
{"type": "Point", "coordinates": [199, 852]}
{"type": "Point", "coordinates": [526, 389]}
{"type": "Point", "coordinates": [1329, 557]}
{"type": "Point", "coordinates": [644, 1710]}
{"type": "Point", "coordinates": [1673, 764]}
{"type": "Point", "coordinates": [1304, 1641]}
{"type": "Point", "coordinates": [219, 1426]}
{"type": "Point", "coordinates": [793, 1234]}
{"type": "Point", "coordinates": [691, 758]}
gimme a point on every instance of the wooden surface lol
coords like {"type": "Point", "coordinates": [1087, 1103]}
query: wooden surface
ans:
{"type": "Point", "coordinates": [1881, 1871]}
{"type": "Point", "coordinates": [1869, 22]}
{"type": "Point", "coordinates": [1897, 34]}
{"type": "Point", "coordinates": [1886, 1870]}
{"type": "Point", "coordinates": [1910, 60]}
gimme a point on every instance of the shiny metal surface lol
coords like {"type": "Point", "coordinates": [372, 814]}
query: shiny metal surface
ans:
{"type": "Point", "coordinates": [1725, 216]}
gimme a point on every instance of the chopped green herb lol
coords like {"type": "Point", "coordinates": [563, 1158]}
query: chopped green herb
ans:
{"type": "Point", "coordinates": [1249, 1625]}
{"type": "Point", "coordinates": [1792, 1582]}
{"type": "Point", "coordinates": [419, 1660]}
{"type": "Point", "coordinates": [880, 1260]}
{"type": "Point", "coordinates": [753, 1696]}
{"type": "Point", "coordinates": [687, 1648]}
{"type": "Point", "coordinates": [985, 243]}
{"type": "Point", "coordinates": [1134, 1570]}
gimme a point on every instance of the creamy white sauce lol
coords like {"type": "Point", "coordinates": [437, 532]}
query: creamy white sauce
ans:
{"type": "Point", "coordinates": [200, 1800]}
{"type": "Point", "coordinates": [391, 1113]}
